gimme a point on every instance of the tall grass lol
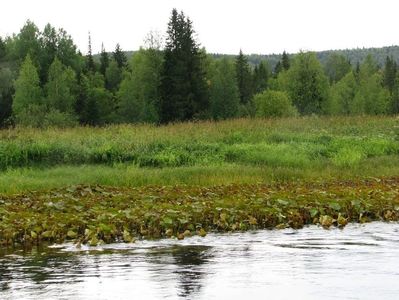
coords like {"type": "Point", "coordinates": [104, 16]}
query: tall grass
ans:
{"type": "Point", "coordinates": [203, 153]}
{"type": "Point", "coordinates": [286, 142]}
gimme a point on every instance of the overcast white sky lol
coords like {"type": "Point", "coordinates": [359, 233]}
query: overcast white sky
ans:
{"type": "Point", "coordinates": [223, 26]}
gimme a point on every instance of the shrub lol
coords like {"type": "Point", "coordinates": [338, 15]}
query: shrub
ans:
{"type": "Point", "coordinates": [274, 104]}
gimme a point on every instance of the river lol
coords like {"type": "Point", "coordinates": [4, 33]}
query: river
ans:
{"type": "Point", "coordinates": [358, 262]}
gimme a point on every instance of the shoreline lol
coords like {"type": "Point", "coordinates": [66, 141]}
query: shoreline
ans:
{"type": "Point", "coordinates": [95, 215]}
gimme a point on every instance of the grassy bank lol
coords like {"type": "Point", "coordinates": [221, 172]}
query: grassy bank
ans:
{"type": "Point", "coordinates": [204, 153]}
{"type": "Point", "coordinates": [95, 215]}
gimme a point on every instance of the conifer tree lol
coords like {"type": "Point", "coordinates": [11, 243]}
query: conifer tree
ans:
{"type": "Point", "coordinates": [260, 77]}
{"type": "Point", "coordinates": [120, 57]}
{"type": "Point", "coordinates": [6, 92]}
{"type": "Point", "coordinates": [243, 75]}
{"type": "Point", "coordinates": [285, 61]}
{"type": "Point", "coordinates": [389, 75]}
{"type": "Point", "coordinates": [90, 65]}
{"type": "Point", "coordinates": [104, 60]}
{"type": "Point", "coordinates": [277, 69]}
{"type": "Point", "coordinates": [2, 49]}
{"type": "Point", "coordinates": [184, 92]}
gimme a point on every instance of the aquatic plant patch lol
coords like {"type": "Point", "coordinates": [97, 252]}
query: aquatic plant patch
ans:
{"type": "Point", "coordinates": [97, 214]}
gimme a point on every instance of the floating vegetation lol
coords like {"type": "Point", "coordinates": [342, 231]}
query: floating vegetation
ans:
{"type": "Point", "coordinates": [95, 215]}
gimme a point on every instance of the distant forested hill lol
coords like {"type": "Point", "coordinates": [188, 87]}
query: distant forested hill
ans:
{"type": "Point", "coordinates": [354, 55]}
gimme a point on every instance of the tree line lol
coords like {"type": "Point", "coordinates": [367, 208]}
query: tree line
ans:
{"type": "Point", "coordinates": [46, 81]}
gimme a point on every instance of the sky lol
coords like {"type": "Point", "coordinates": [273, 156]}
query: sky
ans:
{"type": "Point", "coordinates": [222, 26]}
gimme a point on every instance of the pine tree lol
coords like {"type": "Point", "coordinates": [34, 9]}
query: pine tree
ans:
{"type": "Point", "coordinates": [243, 75]}
{"type": "Point", "coordinates": [104, 60]}
{"type": "Point", "coordinates": [285, 61]}
{"type": "Point", "coordinates": [6, 92]}
{"type": "Point", "coordinates": [2, 49]}
{"type": "Point", "coordinates": [90, 65]}
{"type": "Point", "coordinates": [389, 75]}
{"type": "Point", "coordinates": [120, 57]}
{"type": "Point", "coordinates": [260, 77]}
{"type": "Point", "coordinates": [184, 91]}
{"type": "Point", "coordinates": [277, 69]}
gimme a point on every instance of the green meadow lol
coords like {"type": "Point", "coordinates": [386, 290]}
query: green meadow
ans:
{"type": "Point", "coordinates": [200, 153]}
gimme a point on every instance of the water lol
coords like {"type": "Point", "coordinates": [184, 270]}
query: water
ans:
{"type": "Point", "coordinates": [359, 262]}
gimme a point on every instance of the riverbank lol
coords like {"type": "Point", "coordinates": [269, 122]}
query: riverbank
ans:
{"type": "Point", "coordinates": [97, 214]}
{"type": "Point", "coordinates": [242, 151]}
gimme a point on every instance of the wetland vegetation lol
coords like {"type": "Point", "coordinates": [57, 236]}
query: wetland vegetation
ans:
{"type": "Point", "coordinates": [191, 178]}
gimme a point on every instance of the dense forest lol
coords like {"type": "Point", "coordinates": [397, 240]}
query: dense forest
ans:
{"type": "Point", "coordinates": [46, 81]}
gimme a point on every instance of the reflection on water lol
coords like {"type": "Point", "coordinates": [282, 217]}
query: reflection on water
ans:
{"type": "Point", "coordinates": [359, 262]}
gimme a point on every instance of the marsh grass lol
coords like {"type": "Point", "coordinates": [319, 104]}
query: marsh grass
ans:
{"type": "Point", "coordinates": [202, 153]}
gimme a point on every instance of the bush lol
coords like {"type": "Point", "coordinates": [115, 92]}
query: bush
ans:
{"type": "Point", "coordinates": [55, 118]}
{"type": "Point", "coordinates": [274, 104]}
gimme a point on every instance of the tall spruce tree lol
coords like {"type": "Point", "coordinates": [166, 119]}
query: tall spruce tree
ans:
{"type": "Point", "coordinates": [6, 92]}
{"type": "Point", "coordinates": [243, 75]}
{"type": "Point", "coordinates": [104, 60]}
{"type": "Point", "coordinates": [120, 57]}
{"type": "Point", "coordinates": [2, 49]}
{"type": "Point", "coordinates": [285, 61]}
{"type": "Point", "coordinates": [90, 65]}
{"type": "Point", "coordinates": [260, 77]}
{"type": "Point", "coordinates": [389, 75]}
{"type": "Point", "coordinates": [183, 91]}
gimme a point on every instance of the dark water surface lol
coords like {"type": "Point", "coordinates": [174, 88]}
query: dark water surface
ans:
{"type": "Point", "coordinates": [359, 262]}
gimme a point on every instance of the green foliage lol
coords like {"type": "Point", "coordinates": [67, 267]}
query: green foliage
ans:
{"type": "Point", "coordinates": [261, 76]}
{"type": "Point", "coordinates": [342, 96]}
{"type": "Point", "coordinates": [104, 60]}
{"type": "Point", "coordinates": [389, 75]}
{"type": "Point", "coordinates": [243, 75]}
{"type": "Point", "coordinates": [182, 83]}
{"type": "Point", "coordinates": [90, 64]}
{"type": "Point", "coordinates": [6, 95]}
{"type": "Point", "coordinates": [27, 43]}
{"type": "Point", "coordinates": [274, 104]}
{"type": "Point", "coordinates": [56, 118]}
{"type": "Point", "coordinates": [183, 90]}
{"type": "Point", "coordinates": [301, 144]}
{"type": "Point", "coordinates": [285, 61]}
{"type": "Point", "coordinates": [94, 214]}
{"type": "Point", "coordinates": [307, 85]}
{"type": "Point", "coordinates": [113, 76]}
{"type": "Point", "coordinates": [120, 57]}
{"type": "Point", "coordinates": [32, 115]}
{"type": "Point", "coordinates": [224, 93]}
{"type": "Point", "coordinates": [139, 92]}
{"type": "Point", "coordinates": [61, 87]}
{"type": "Point", "coordinates": [337, 66]}
{"type": "Point", "coordinates": [98, 105]}
{"type": "Point", "coordinates": [372, 98]}
{"type": "Point", "coordinates": [3, 49]}
{"type": "Point", "coordinates": [27, 88]}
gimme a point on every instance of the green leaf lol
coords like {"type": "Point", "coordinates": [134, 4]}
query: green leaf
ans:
{"type": "Point", "coordinates": [313, 212]}
{"type": "Point", "coordinates": [335, 206]}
